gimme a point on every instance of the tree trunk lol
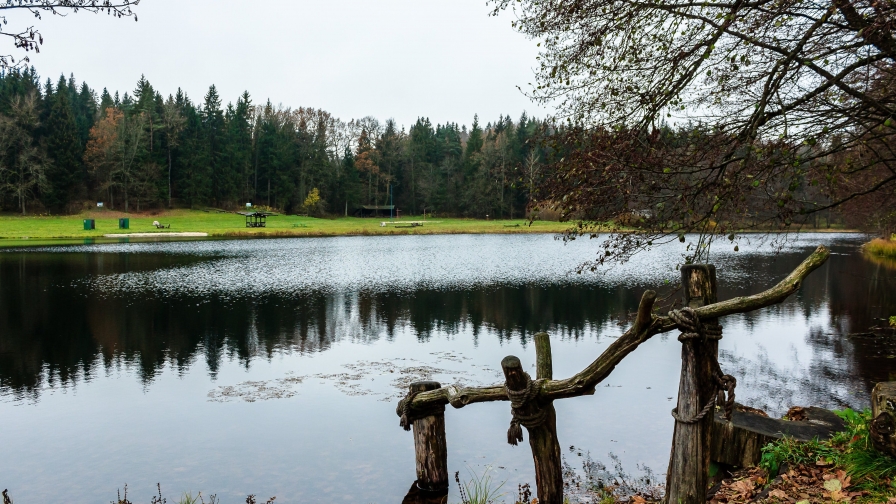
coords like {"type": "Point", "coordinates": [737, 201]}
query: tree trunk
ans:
{"type": "Point", "coordinates": [687, 477]}
{"type": "Point", "coordinates": [169, 177]}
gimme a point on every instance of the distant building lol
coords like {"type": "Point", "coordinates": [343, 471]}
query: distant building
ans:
{"type": "Point", "coordinates": [376, 211]}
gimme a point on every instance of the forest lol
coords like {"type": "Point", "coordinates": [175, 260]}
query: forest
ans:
{"type": "Point", "coordinates": [64, 147]}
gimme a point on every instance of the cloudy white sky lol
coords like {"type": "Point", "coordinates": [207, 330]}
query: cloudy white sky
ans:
{"type": "Point", "coordinates": [443, 59]}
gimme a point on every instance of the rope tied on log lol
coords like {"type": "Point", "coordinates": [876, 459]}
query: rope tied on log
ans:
{"type": "Point", "coordinates": [692, 328]}
{"type": "Point", "coordinates": [405, 407]}
{"type": "Point", "coordinates": [725, 385]}
{"type": "Point", "coordinates": [518, 399]}
{"type": "Point", "coordinates": [408, 414]}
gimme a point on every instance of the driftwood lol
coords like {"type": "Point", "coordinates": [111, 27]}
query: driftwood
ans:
{"type": "Point", "coordinates": [739, 443]}
{"type": "Point", "coordinates": [532, 401]}
{"type": "Point", "coordinates": [647, 325]}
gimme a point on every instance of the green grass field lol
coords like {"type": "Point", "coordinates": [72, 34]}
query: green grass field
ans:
{"type": "Point", "coordinates": [15, 228]}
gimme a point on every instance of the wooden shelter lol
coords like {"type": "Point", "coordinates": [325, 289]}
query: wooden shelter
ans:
{"type": "Point", "coordinates": [256, 219]}
{"type": "Point", "coordinates": [376, 211]}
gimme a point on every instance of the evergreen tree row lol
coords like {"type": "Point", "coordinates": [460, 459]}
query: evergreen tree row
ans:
{"type": "Point", "coordinates": [64, 146]}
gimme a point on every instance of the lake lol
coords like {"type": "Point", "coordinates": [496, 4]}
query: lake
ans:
{"type": "Point", "coordinates": [273, 367]}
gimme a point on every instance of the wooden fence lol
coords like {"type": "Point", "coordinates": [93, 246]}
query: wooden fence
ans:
{"type": "Point", "coordinates": [701, 389]}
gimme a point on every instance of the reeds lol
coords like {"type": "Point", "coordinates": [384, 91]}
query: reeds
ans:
{"type": "Point", "coordinates": [481, 489]}
{"type": "Point", "coordinates": [881, 247]}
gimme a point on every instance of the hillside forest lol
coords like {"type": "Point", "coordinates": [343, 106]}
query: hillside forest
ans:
{"type": "Point", "coordinates": [65, 146]}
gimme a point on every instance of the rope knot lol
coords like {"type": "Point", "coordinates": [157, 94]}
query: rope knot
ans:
{"type": "Point", "coordinates": [518, 400]}
{"type": "Point", "coordinates": [405, 407]}
{"type": "Point", "coordinates": [691, 327]}
{"type": "Point", "coordinates": [726, 384]}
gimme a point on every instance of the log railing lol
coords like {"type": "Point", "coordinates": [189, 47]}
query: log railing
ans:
{"type": "Point", "coordinates": [532, 400]}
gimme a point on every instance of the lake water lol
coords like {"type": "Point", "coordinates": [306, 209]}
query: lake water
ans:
{"type": "Point", "coordinates": [273, 367]}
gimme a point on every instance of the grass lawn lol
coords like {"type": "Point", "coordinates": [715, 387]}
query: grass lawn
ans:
{"type": "Point", "coordinates": [233, 225]}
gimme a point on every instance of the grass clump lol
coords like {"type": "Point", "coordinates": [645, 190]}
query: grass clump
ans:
{"type": "Point", "coordinates": [481, 489]}
{"type": "Point", "coordinates": [882, 248]}
{"type": "Point", "coordinates": [849, 451]}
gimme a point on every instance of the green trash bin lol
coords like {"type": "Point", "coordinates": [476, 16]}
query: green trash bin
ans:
{"type": "Point", "coordinates": [89, 224]}
{"type": "Point", "coordinates": [124, 223]}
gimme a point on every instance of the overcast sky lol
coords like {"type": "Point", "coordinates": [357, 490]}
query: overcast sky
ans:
{"type": "Point", "coordinates": [443, 59]}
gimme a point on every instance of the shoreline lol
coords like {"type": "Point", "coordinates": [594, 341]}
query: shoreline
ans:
{"type": "Point", "coordinates": [200, 225]}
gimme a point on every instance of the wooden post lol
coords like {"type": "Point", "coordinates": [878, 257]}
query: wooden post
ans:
{"type": "Point", "coordinates": [543, 437]}
{"type": "Point", "coordinates": [544, 362]}
{"type": "Point", "coordinates": [686, 480]}
{"type": "Point", "coordinates": [430, 446]}
{"type": "Point", "coordinates": [417, 496]}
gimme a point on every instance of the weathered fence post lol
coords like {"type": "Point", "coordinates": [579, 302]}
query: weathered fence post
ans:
{"type": "Point", "coordinates": [539, 418]}
{"type": "Point", "coordinates": [430, 448]}
{"type": "Point", "coordinates": [686, 480]}
{"type": "Point", "coordinates": [531, 400]}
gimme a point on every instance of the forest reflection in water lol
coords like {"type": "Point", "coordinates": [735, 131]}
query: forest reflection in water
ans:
{"type": "Point", "coordinates": [70, 316]}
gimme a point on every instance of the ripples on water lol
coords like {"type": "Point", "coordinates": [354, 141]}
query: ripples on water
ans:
{"type": "Point", "coordinates": [271, 366]}
{"type": "Point", "coordinates": [294, 267]}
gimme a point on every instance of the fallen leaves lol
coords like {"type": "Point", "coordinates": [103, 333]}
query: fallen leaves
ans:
{"type": "Point", "coordinates": [806, 484]}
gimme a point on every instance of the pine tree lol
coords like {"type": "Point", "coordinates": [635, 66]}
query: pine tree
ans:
{"type": "Point", "coordinates": [106, 102]}
{"type": "Point", "coordinates": [474, 142]}
{"type": "Point", "coordinates": [190, 166]}
{"type": "Point", "coordinates": [85, 112]}
{"type": "Point", "coordinates": [64, 150]}
{"type": "Point", "coordinates": [173, 123]}
{"type": "Point", "coordinates": [239, 147]}
{"type": "Point", "coordinates": [214, 142]}
{"type": "Point", "coordinates": [145, 102]}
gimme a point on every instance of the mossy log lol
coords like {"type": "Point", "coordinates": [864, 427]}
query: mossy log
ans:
{"type": "Point", "coordinates": [647, 325]}
{"type": "Point", "coordinates": [739, 443]}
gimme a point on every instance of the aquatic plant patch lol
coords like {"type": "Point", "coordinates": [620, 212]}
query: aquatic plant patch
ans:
{"type": "Point", "coordinates": [881, 247]}
{"type": "Point", "coordinates": [398, 373]}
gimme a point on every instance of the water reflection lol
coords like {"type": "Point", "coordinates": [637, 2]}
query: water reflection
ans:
{"type": "Point", "coordinates": [61, 318]}
{"type": "Point", "coordinates": [98, 318]}
{"type": "Point", "coordinates": [66, 310]}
